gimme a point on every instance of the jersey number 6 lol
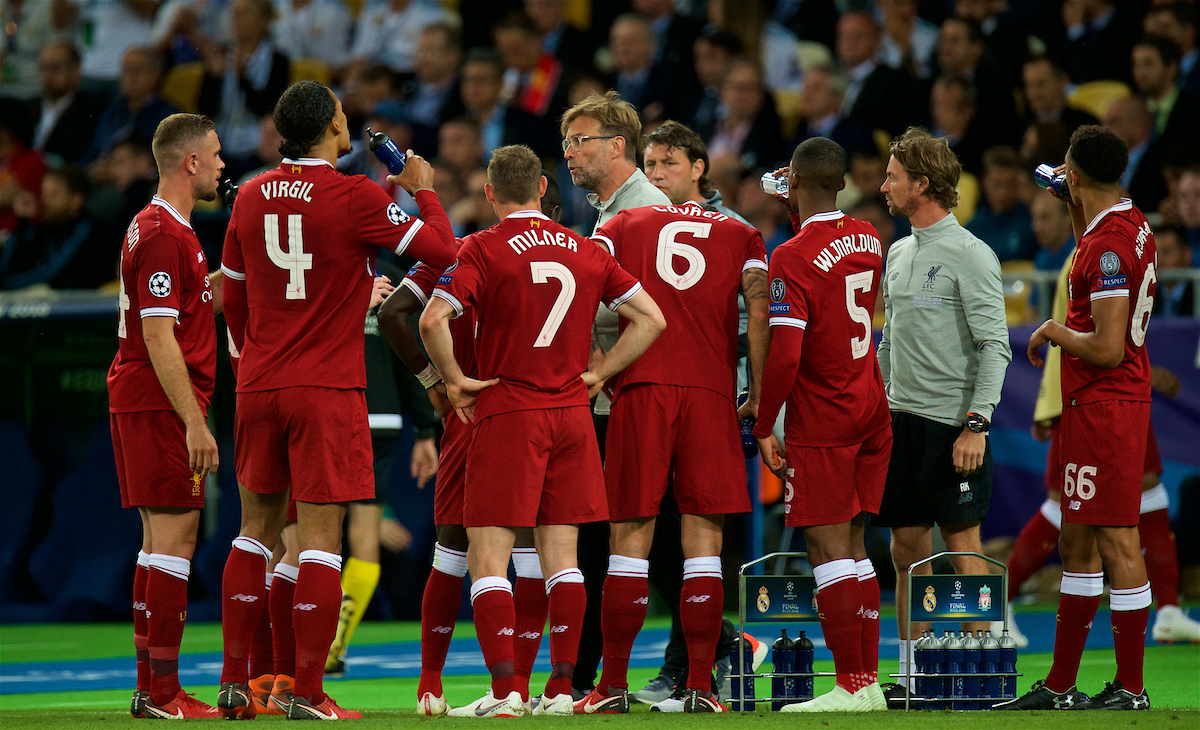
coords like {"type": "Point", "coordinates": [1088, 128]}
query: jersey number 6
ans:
{"type": "Point", "coordinates": [669, 248]}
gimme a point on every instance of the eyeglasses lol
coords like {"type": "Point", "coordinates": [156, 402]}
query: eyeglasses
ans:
{"type": "Point", "coordinates": [576, 141]}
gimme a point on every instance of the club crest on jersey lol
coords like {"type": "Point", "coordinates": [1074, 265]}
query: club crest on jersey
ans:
{"type": "Point", "coordinates": [397, 216]}
{"type": "Point", "coordinates": [1109, 263]}
{"type": "Point", "coordinates": [778, 290]}
{"type": "Point", "coordinates": [160, 284]}
{"type": "Point", "coordinates": [931, 277]}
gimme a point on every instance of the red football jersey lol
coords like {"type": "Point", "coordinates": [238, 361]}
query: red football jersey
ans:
{"type": "Point", "coordinates": [1115, 258]}
{"type": "Point", "coordinates": [534, 286]}
{"type": "Point", "coordinates": [690, 259]}
{"type": "Point", "coordinates": [303, 237]}
{"type": "Point", "coordinates": [163, 274]}
{"type": "Point", "coordinates": [422, 279]}
{"type": "Point", "coordinates": [823, 282]}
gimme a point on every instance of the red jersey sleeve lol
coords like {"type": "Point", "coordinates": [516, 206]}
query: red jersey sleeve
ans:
{"type": "Point", "coordinates": [380, 222]}
{"type": "Point", "coordinates": [421, 280]}
{"type": "Point", "coordinates": [756, 252]}
{"type": "Point", "coordinates": [158, 275]}
{"type": "Point", "coordinates": [788, 318]}
{"type": "Point", "coordinates": [1108, 267]}
{"type": "Point", "coordinates": [789, 300]}
{"type": "Point", "coordinates": [619, 285]}
{"type": "Point", "coordinates": [233, 298]}
{"type": "Point", "coordinates": [462, 284]}
{"type": "Point", "coordinates": [609, 233]}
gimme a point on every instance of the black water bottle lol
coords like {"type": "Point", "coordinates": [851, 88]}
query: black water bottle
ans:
{"type": "Point", "coordinates": [804, 665]}
{"type": "Point", "coordinates": [989, 664]}
{"type": "Point", "coordinates": [742, 689]}
{"type": "Point", "coordinates": [749, 444]}
{"type": "Point", "coordinates": [386, 150]}
{"type": "Point", "coordinates": [783, 659]}
{"type": "Point", "coordinates": [1008, 666]}
{"type": "Point", "coordinates": [971, 658]}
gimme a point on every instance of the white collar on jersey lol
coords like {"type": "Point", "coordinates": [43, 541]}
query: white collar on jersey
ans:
{"type": "Point", "coordinates": [829, 215]}
{"type": "Point", "coordinates": [170, 209]}
{"type": "Point", "coordinates": [1125, 204]}
{"type": "Point", "coordinates": [308, 161]}
{"type": "Point", "coordinates": [527, 214]}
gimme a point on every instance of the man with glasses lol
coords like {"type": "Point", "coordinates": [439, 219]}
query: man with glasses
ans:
{"type": "Point", "coordinates": [601, 135]}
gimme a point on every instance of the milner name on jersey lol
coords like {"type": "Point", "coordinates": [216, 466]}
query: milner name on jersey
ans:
{"type": "Point", "coordinates": [526, 240]}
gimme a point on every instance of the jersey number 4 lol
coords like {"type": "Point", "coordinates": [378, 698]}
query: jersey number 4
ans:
{"type": "Point", "coordinates": [543, 272]}
{"type": "Point", "coordinates": [294, 261]}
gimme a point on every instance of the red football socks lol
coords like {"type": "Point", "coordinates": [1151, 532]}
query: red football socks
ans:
{"type": "Point", "coordinates": [439, 611]}
{"type": "Point", "coordinates": [868, 588]}
{"type": "Point", "coordinates": [1130, 613]}
{"type": "Point", "coordinates": [140, 575]}
{"type": "Point", "coordinates": [495, 619]}
{"type": "Point", "coordinates": [1162, 560]}
{"type": "Point", "coordinates": [166, 612]}
{"type": "Point", "coordinates": [1077, 604]}
{"type": "Point", "coordinates": [318, 600]}
{"type": "Point", "coordinates": [283, 638]}
{"type": "Point", "coordinates": [1035, 545]}
{"type": "Point", "coordinates": [840, 604]}
{"type": "Point", "coordinates": [242, 602]}
{"type": "Point", "coordinates": [568, 600]}
{"type": "Point", "coordinates": [261, 650]}
{"type": "Point", "coordinates": [700, 604]}
{"type": "Point", "coordinates": [622, 613]}
{"type": "Point", "coordinates": [532, 605]}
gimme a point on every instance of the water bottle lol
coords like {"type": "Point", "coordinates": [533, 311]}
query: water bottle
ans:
{"type": "Point", "coordinates": [1045, 178]}
{"type": "Point", "coordinates": [749, 444]}
{"type": "Point", "coordinates": [921, 657]}
{"type": "Point", "coordinates": [804, 665]}
{"type": "Point", "coordinates": [935, 664]}
{"type": "Point", "coordinates": [386, 150]}
{"type": "Point", "coordinates": [1008, 665]}
{"type": "Point", "coordinates": [772, 185]}
{"type": "Point", "coordinates": [952, 665]}
{"type": "Point", "coordinates": [783, 657]}
{"type": "Point", "coordinates": [989, 664]}
{"type": "Point", "coordinates": [971, 658]}
{"type": "Point", "coordinates": [742, 690]}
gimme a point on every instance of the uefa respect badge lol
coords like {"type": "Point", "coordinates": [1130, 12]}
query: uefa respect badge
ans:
{"type": "Point", "coordinates": [930, 600]}
{"type": "Point", "coordinates": [764, 601]}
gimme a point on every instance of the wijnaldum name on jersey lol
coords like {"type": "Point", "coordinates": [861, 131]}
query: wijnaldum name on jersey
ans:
{"type": "Point", "coordinates": [839, 248]}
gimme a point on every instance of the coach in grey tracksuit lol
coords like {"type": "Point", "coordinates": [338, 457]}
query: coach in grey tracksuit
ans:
{"type": "Point", "coordinates": [943, 356]}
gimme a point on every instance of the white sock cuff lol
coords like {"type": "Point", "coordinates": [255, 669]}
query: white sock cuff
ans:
{"type": "Point", "coordinates": [1087, 585]}
{"type": "Point", "coordinates": [329, 560]}
{"type": "Point", "coordinates": [526, 563]}
{"type": "Point", "coordinates": [1129, 599]}
{"type": "Point", "coordinates": [450, 562]}
{"type": "Point", "coordinates": [706, 567]}
{"type": "Point", "coordinates": [1155, 499]}
{"type": "Point", "coordinates": [178, 567]}
{"type": "Point", "coordinates": [269, 577]}
{"type": "Point", "coordinates": [287, 572]}
{"type": "Point", "coordinates": [570, 575]}
{"type": "Point", "coordinates": [143, 559]}
{"type": "Point", "coordinates": [864, 569]}
{"type": "Point", "coordinates": [1052, 511]}
{"type": "Point", "coordinates": [627, 567]}
{"type": "Point", "coordinates": [252, 546]}
{"type": "Point", "coordinates": [835, 571]}
{"type": "Point", "coordinates": [489, 584]}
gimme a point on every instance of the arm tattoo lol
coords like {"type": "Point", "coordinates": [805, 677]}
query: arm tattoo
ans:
{"type": "Point", "coordinates": [754, 285]}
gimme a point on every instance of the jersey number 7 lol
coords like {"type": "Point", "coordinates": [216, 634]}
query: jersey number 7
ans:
{"type": "Point", "coordinates": [543, 272]}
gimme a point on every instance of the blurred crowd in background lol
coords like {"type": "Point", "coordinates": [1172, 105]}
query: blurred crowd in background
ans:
{"type": "Point", "coordinates": [84, 83]}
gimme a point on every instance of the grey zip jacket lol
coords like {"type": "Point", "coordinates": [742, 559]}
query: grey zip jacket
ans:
{"type": "Point", "coordinates": [945, 340]}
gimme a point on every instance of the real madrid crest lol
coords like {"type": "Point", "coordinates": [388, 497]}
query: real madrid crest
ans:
{"type": "Point", "coordinates": [764, 601]}
{"type": "Point", "coordinates": [930, 600]}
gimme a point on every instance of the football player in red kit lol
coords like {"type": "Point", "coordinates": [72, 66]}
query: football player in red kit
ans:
{"type": "Point", "coordinates": [674, 421]}
{"type": "Point", "coordinates": [159, 388]}
{"type": "Point", "coordinates": [837, 427]}
{"type": "Point", "coordinates": [533, 461]}
{"type": "Point", "coordinates": [299, 261]}
{"type": "Point", "coordinates": [1106, 414]}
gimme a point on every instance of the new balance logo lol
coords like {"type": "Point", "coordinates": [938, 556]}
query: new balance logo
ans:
{"type": "Point", "coordinates": [504, 632]}
{"type": "Point", "coordinates": [642, 601]}
{"type": "Point", "coordinates": [139, 606]}
{"type": "Point", "coordinates": [868, 613]}
{"type": "Point", "coordinates": [304, 606]}
{"type": "Point", "coordinates": [243, 598]}
{"type": "Point", "coordinates": [558, 629]}
{"type": "Point", "coordinates": [696, 599]}
{"type": "Point", "coordinates": [531, 635]}
{"type": "Point", "coordinates": [442, 629]}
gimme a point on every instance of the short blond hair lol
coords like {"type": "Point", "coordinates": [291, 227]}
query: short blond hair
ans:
{"type": "Point", "coordinates": [514, 174]}
{"type": "Point", "coordinates": [616, 117]}
{"type": "Point", "coordinates": [922, 155]}
{"type": "Point", "coordinates": [178, 136]}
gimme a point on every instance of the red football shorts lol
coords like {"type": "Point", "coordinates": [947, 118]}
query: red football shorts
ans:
{"type": "Point", "coordinates": [314, 439]}
{"type": "Point", "coordinates": [152, 461]}
{"type": "Point", "coordinates": [1103, 458]}
{"type": "Point", "coordinates": [657, 432]}
{"type": "Point", "coordinates": [452, 473]}
{"type": "Point", "coordinates": [529, 468]}
{"type": "Point", "coordinates": [829, 485]}
{"type": "Point", "coordinates": [1153, 458]}
{"type": "Point", "coordinates": [1054, 465]}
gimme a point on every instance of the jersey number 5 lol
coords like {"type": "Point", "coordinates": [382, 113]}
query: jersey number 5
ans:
{"type": "Point", "coordinates": [543, 272]}
{"type": "Point", "coordinates": [860, 282]}
{"type": "Point", "coordinates": [294, 260]}
{"type": "Point", "coordinates": [669, 248]}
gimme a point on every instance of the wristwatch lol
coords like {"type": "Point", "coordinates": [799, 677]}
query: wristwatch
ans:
{"type": "Point", "coordinates": [977, 423]}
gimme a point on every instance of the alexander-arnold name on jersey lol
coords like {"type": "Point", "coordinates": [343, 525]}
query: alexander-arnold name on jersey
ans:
{"type": "Point", "coordinates": [839, 248]}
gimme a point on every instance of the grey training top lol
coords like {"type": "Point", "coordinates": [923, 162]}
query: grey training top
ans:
{"type": "Point", "coordinates": [945, 341]}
